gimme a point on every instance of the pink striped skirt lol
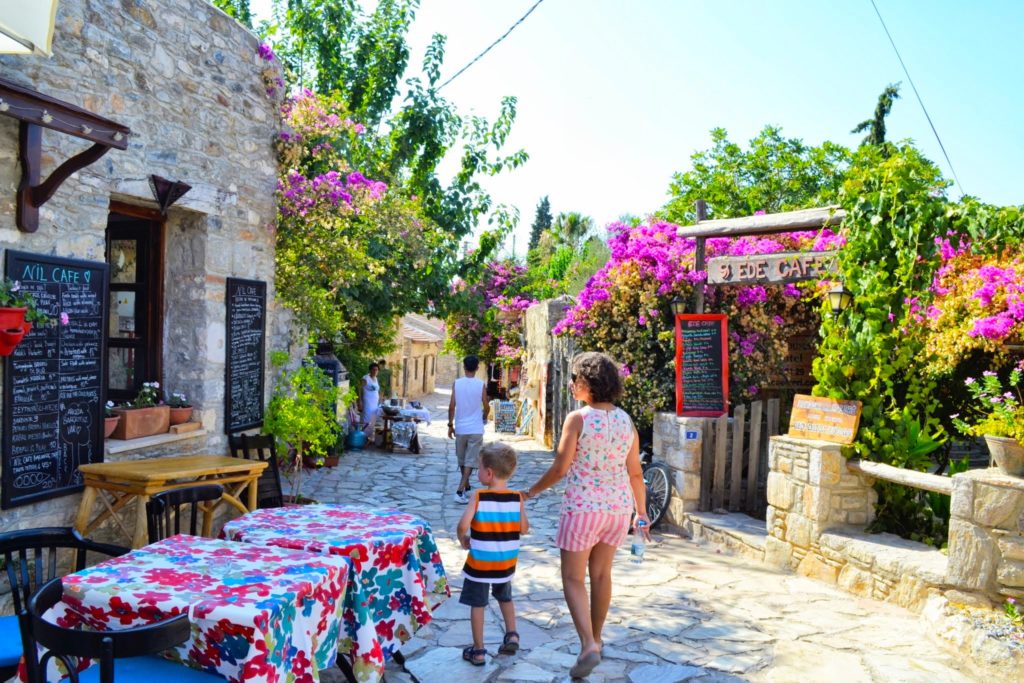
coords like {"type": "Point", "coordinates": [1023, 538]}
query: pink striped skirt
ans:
{"type": "Point", "coordinates": [583, 530]}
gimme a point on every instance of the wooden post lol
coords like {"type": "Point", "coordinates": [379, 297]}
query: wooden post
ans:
{"type": "Point", "coordinates": [699, 262]}
{"type": "Point", "coordinates": [736, 475]}
{"type": "Point", "coordinates": [754, 462]}
{"type": "Point", "coordinates": [707, 463]}
{"type": "Point", "coordinates": [721, 438]}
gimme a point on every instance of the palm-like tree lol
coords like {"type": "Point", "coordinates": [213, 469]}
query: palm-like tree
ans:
{"type": "Point", "coordinates": [571, 228]}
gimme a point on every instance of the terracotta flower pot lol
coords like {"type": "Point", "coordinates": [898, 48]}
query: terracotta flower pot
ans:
{"type": "Point", "coordinates": [1008, 454]}
{"type": "Point", "coordinates": [138, 422]}
{"type": "Point", "coordinates": [180, 415]}
{"type": "Point", "coordinates": [109, 425]}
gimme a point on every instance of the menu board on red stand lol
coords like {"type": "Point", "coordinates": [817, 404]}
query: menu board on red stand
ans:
{"type": "Point", "coordinates": [702, 365]}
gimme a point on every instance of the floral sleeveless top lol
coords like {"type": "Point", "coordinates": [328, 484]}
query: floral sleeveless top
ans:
{"type": "Point", "coordinates": [597, 479]}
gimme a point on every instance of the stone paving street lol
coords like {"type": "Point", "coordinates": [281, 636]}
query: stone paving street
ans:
{"type": "Point", "coordinates": [689, 613]}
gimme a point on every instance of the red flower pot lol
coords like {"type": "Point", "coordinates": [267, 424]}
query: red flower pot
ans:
{"type": "Point", "coordinates": [109, 425]}
{"type": "Point", "coordinates": [180, 415]}
{"type": "Point", "coordinates": [9, 340]}
{"type": "Point", "coordinates": [12, 317]}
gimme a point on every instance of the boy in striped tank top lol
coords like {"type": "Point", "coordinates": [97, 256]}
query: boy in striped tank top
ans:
{"type": "Point", "coordinates": [490, 529]}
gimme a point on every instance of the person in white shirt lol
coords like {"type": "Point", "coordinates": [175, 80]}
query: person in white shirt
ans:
{"type": "Point", "coordinates": [467, 412]}
{"type": "Point", "coordinates": [369, 399]}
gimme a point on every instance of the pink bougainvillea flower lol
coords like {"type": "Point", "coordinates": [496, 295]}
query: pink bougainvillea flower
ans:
{"type": "Point", "coordinates": [64, 319]}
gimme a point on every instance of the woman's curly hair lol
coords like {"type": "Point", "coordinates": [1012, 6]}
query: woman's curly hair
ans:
{"type": "Point", "coordinates": [601, 375]}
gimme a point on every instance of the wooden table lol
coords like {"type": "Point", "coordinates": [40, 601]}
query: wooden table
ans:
{"type": "Point", "coordinates": [118, 483]}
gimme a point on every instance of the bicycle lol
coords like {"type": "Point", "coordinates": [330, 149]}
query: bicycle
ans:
{"type": "Point", "coordinates": [658, 482]}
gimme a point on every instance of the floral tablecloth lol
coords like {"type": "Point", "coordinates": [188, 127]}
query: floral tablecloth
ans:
{"type": "Point", "coordinates": [257, 614]}
{"type": "Point", "coordinates": [398, 576]}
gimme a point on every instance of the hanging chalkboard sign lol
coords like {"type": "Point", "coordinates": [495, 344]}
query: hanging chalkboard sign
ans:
{"type": "Point", "coordinates": [702, 365]}
{"type": "Point", "coordinates": [55, 380]}
{"type": "Point", "coordinates": [246, 329]}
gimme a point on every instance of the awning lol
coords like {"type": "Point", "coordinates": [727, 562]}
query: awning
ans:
{"type": "Point", "coordinates": [26, 27]}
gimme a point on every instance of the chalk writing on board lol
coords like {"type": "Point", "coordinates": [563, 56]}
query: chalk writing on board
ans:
{"type": "Point", "coordinates": [702, 366]}
{"type": "Point", "coordinates": [54, 381]}
{"type": "Point", "coordinates": [246, 330]}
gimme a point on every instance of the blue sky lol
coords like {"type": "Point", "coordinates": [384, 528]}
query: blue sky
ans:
{"type": "Point", "coordinates": [615, 96]}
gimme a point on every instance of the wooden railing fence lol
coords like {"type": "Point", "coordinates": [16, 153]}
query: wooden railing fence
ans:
{"type": "Point", "coordinates": [734, 462]}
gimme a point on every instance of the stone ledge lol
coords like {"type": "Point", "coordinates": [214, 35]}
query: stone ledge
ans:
{"type": "Point", "coordinates": [889, 555]}
{"type": "Point", "coordinates": [115, 446]}
{"type": "Point", "coordinates": [735, 531]}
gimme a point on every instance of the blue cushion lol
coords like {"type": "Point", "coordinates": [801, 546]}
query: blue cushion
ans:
{"type": "Point", "coordinates": [10, 641]}
{"type": "Point", "coordinates": [150, 670]}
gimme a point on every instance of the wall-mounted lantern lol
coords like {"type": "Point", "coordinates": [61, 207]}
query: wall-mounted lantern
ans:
{"type": "Point", "coordinates": [839, 299]}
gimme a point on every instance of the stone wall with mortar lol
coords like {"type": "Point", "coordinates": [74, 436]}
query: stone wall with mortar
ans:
{"type": "Point", "coordinates": [188, 82]}
{"type": "Point", "coordinates": [677, 443]}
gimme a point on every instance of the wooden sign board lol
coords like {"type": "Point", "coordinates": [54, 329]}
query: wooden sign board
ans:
{"type": "Point", "coordinates": [702, 365]}
{"type": "Point", "coordinates": [824, 419]}
{"type": "Point", "coordinates": [766, 268]}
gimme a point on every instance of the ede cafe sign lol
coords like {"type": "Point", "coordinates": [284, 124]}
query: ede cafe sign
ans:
{"type": "Point", "coordinates": [780, 267]}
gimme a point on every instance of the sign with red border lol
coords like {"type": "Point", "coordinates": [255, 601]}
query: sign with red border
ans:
{"type": "Point", "coordinates": [702, 365]}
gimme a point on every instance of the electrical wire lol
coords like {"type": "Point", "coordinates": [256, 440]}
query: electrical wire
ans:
{"type": "Point", "coordinates": [489, 47]}
{"type": "Point", "coordinates": [906, 71]}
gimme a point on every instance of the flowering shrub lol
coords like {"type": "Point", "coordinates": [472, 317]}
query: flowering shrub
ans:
{"type": "Point", "coordinates": [978, 303]}
{"type": "Point", "coordinates": [999, 410]}
{"type": "Point", "coordinates": [12, 295]}
{"type": "Point", "coordinates": [487, 316]}
{"type": "Point", "coordinates": [625, 309]}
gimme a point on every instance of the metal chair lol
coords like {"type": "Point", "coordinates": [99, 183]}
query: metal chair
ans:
{"type": "Point", "coordinates": [30, 556]}
{"type": "Point", "coordinates": [261, 447]}
{"type": "Point", "coordinates": [163, 511]}
{"type": "Point", "coordinates": [120, 653]}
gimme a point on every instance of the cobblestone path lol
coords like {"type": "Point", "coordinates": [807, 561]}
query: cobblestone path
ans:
{"type": "Point", "coordinates": [689, 613]}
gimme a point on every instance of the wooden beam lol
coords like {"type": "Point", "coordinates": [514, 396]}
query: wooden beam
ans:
{"type": "Point", "coordinates": [766, 224]}
{"type": "Point", "coordinates": [42, 110]}
{"type": "Point", "coordinates": [918, 480]}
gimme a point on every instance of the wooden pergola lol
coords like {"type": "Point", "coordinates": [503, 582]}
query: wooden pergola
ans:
{"type": "Point", "coordinates": [762, 224]}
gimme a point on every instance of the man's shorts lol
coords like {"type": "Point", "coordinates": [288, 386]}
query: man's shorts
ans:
{"type": "Point", "coordinates": [583, 530]}
{"type": "Point", "coordinates": [467, 449]}
{"type": "Point", "coordinates": [474, 593]}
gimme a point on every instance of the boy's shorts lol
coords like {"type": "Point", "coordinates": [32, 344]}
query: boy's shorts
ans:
{"type": "Point", "coordinates": [583, 530]}
{"type": "Point", "coordinates": [474, 593]}
{"type": "Point", "coordinates": [467, 449]}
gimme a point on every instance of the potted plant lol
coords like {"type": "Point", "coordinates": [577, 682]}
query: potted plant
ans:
{"type": "Point", "coordinates": [181, 409]}
{"type": "Point", "coordinates": [110, 419]}
{"type": "Point", "coordinates": [144, 416]}
{"type": "Point", "coordinates": [1000, 418]}
{"type": "Point", "coordinates": [301, 417]}
{"type": "Point", "coordinates": [18, 312]}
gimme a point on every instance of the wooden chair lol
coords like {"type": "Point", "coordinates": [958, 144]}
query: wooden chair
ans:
{"type": "Point", "coordinates": [30, 556]}
{"type": "Point", "coordinates": [120, 653]}
{"type": "Point", "coordinates": [261, 447]}
{"type": "Point", "coordinates": [163, 511]}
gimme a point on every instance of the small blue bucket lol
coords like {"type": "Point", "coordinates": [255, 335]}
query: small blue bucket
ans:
{"type": "Point", "coordinates": [356, 440]}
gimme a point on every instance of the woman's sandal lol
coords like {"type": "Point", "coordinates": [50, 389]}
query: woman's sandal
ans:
{"type": "Point", "coordinates": [474, 656]}
{"type": "Point", "coordinates": [585, 664]}
{"type": "Point", "coordinates": [509, 646]}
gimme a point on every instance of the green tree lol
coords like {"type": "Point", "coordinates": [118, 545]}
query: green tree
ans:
{"type": "Point", "coordinates": [774, 174]}
{"type": "Point", "coordinates": [541, 221]}
{"type": "Point", "coordinates": [239, 9]}
{"type": "Point", "coordinates": [875, 126]}
{"type": "Point", "coordinates": [570, 228]}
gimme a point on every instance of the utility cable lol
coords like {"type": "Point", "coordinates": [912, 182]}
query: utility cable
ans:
{"type": "Point", "coordinates": [906, 71]}
{"type": "Point", "coordinates": [489, 47]}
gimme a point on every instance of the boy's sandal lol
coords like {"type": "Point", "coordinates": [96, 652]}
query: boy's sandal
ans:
{"type": "Point", "coordinates": [474, 656]}
{"type": "Point", "coordinates": [508, 645]}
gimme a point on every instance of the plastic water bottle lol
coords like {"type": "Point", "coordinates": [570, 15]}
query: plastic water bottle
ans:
{"type": "Point", "coordinates": [639, 543]}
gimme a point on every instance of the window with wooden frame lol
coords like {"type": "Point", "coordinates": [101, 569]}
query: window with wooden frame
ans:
{"type": "Point", "coordinates": [135, 254]}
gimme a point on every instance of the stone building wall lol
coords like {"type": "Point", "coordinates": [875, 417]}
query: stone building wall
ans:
{"type": "Point", "coordinates": [678, 443]}
{"type": "Point", "coordinates": [187, 80]}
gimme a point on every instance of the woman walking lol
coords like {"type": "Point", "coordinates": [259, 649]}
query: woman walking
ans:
{"type": "Point", "coordinates": [600, 452]}
{"type": "Point", "coordinates": [369, 399]}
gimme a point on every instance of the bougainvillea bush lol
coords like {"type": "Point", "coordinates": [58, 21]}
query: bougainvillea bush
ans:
{"type": "Point", "coordinates": [625, 310]}
{"type": "Point", "coordinates": [351, 251]}
{"type": "Point", "coordinates": [487, 316]}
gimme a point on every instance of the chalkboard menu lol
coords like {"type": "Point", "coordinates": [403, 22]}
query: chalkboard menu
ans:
{"type": "Point", "coordinates": [247, 321]}
{"type": "Point", "coordinates": [702, 365]}
{"type": "Point", "coordinates": [55, 380]}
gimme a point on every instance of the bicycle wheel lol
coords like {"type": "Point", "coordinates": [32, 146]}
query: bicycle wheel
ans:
{"type": "Point", "coordinates": [659, 490]}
